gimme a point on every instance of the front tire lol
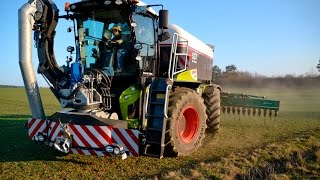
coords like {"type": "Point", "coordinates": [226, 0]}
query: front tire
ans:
{"type": "Point", "coordinates": [187, 121]}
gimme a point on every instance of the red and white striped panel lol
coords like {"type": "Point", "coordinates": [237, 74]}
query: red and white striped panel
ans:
{"type": "Point", "coordinates": [89, 136]}
{"type": "Point", "coordinates": [52, 129]}
{"type": "Point", "coordinates": [35, 126]}
{"type": "Point", "coordinates": [128, 138]}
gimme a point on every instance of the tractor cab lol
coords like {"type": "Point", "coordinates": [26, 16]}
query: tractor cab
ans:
{"type": "Point", "coordinates": [116, 45]}
{"type": "Point", "coordinates": [130, 52]}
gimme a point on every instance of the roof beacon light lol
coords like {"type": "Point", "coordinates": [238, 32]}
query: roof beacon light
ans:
{"type": "Point", "coordinates": [135, 1]}
{"type": "Point", "coordinates": [66, 6]}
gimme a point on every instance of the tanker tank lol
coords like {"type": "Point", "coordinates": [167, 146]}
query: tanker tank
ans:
{"type": "Point", "coordinates": [200, 55]}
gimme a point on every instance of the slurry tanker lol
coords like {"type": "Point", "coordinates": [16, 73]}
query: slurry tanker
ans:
{"type": "Point", "coordinates": [146, 92]}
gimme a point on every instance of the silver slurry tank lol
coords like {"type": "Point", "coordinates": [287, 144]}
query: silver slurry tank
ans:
{"type": "Point", "coordinates": [200, 55]}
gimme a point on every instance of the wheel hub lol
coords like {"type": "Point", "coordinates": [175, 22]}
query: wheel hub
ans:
{"type": "Point", "coordinates": [188, 124]}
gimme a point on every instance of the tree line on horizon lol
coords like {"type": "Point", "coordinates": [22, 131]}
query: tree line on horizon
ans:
{"type": "Point", "coordinates": [232, 77]}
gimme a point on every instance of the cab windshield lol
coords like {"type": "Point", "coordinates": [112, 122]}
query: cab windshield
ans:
{"type": "Point", "coordinates": [101, 48]}
{"type": "Point", "coordinates": [95, 31]}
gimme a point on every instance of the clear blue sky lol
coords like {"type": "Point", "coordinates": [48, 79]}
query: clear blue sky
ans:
{"type": "Point", "coordinates": [269, 37]}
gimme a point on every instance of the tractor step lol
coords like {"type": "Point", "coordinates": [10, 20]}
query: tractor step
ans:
{"type": "Point", "coordinates": [153, 142]}
{"type": "Point", "coordinates": [156, 127]}
{"type": "Point", "coordinates": [155, 116]}
{"type": "Point", "coordinates": [151, 151]}
{"type": "Point", "coordinates": [159, 90]}
{"type": "Point", "coordinates": [157, 103]}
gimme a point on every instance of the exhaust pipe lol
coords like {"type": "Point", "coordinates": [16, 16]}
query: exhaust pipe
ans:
{"type": "Point", "coordinates": [26, 22]}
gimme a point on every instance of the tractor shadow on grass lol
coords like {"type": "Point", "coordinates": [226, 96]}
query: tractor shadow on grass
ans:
{"type": "Point", "coordinates": [15, 145]}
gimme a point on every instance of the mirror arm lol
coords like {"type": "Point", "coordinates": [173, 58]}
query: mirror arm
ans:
{"type": "Point", "coordinates": [67, 17]}
{"type": "Point", "coordinates": [164, 36]}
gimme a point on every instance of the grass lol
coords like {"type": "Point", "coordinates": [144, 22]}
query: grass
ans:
{"type": "Point", "coordinates": [252, 147]}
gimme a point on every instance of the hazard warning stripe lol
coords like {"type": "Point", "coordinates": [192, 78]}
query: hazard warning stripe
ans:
{"type": "Point", "coordinates": [54, 132]}
{"type": "Point", "coordinates": [93, 137]}
{"type": "Point", "coordinates": [101, 136]}
{"type": "Point", "coordinates": [86, 136]}
{"type": "Point", "coordinates": [120, 139]}
{"type": "Point", "coordinates": [30, 122]}
{"type": "Point", "coordinates": [134, 135]}
{"type": "Point", "coordinates": [38, 126]}
{"type": "Point", "coordinates": [47, 128]}
{"type": "Point", "coordinates": [78, 138]}
{"type": "Point", "coordinates": [74, 143]}
{"type": "Point", "coordinates": [183, 62]}
{"type": "Point", "coordinates": [105, 133]}
{"type": "Point", "coordinates": [126, 136]}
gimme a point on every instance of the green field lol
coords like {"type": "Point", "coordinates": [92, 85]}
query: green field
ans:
{"type": "Point", "coordinates": [245, 147]}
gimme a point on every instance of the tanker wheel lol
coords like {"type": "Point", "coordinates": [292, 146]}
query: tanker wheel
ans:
{"type": "Point", "coordinates": [187, 121]}
{"type": "Point", "coordinates": [212, 102]}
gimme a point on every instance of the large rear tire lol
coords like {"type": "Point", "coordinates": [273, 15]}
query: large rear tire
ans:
{"type": "Point", "coordinates": [212, 102]}
{"type": "Point", "coordinates": [187, 121]}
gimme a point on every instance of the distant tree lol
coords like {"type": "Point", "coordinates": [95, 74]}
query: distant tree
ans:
{"type": "Point", "coordinates": [216, 72]}
{"type": "Point", "coordinates": [318, 66]}
{"type": "Point", "coordinates": [231, 69]}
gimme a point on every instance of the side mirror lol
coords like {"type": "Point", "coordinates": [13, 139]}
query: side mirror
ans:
{"type": "Point", "coordinates": [163, 19]}
{"type": "Point", "coordinates": [86, 42]}
{"type": "Point", "coordinates": [70, 49]}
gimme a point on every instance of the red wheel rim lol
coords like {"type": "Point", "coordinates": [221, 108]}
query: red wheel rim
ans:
{"type": "Point", "coordinates": [188, 124]}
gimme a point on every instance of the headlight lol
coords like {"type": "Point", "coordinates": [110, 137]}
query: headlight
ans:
{"type": "Point", "coordinates": [116, 151]}
{"type": "Point", "coordinates": [134, 1]}
{"type": "Point", "coordinates": [109, 149]}
{"type": "Point", "coordinates": [40, 138]}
